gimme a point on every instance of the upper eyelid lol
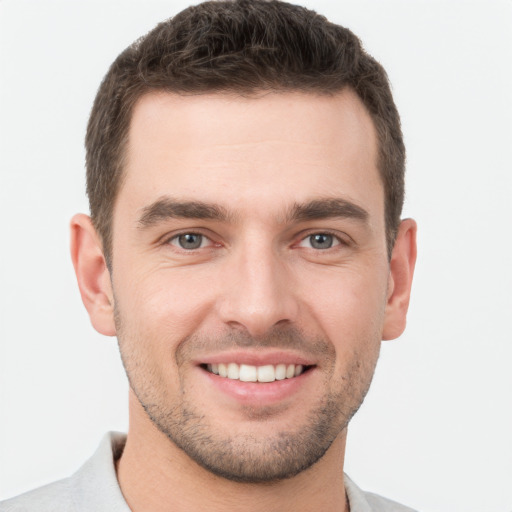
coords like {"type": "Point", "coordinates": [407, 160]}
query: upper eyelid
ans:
{"type": "Point", "coordinates": [337, 241]}
{"type": "Point", "coordinates": [170, 241]}
{"type": "Point", "coordinates": [343, 238]}
{"type": "Point", "coordinates": [165, 239]}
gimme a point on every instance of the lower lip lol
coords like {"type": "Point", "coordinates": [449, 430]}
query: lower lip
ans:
{"type": "Point", "coordinates": [259, 393]}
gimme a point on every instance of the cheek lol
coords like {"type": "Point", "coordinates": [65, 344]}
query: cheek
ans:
{"type": "Point", "coordinates": [350, 312]}
{"type": "Point", "coordinates": [163, 296]}
{"type": "Point", "coordinates": [150, 325]}
{"type": "Point", "coordinates": [161, 308]}
{"type": "Point", "coordinates": [349, 306]}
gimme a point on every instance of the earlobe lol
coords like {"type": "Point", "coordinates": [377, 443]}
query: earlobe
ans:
{"type": "Point", "coordinates": [402, 264]}
{"type": "Point", "coordinates": [92, 274]}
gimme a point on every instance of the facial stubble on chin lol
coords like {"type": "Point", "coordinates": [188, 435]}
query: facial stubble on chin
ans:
{"type": "Point", "coordinates": [249, 457]}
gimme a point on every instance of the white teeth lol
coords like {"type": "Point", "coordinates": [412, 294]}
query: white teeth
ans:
{"type": "Point", "coordinates": [266, 373]}
{"type": "Point", "coordinates": [250, 373]}
{"type": "Point", "coordinates": [233, 371]}
{"type": "Point", "coordinates": [223, 371]}
{"type": "Point", "coordinates": [280, 372]}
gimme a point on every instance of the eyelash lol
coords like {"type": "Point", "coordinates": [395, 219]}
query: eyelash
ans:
{"type": "Point", "coordinates": [337, 240]}
{"type": "Point", "coordinates": [177, 236]}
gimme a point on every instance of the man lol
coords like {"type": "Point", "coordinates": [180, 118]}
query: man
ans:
{"type": "Point", "coordinates": [245, 175]}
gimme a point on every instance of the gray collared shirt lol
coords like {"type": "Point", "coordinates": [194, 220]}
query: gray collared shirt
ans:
{"type": "Point", "coordinates": [94, 488]}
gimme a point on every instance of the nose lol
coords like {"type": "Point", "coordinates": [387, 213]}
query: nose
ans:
{"type": "Point", "coordinates": [258, 290]}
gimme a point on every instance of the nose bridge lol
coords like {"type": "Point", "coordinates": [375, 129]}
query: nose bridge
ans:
{"type": "Point", "coordinates": [259, 293]}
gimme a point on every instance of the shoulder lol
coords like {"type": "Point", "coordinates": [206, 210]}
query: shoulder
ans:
{"type": "Point", "coordinates": [362, 501]}
{"type": "Point", "coordinates": [382, 504]}
{"type": "Point", "coordinates": [55, 497]}
{"type": "Point", "coordinates": [93, 487]}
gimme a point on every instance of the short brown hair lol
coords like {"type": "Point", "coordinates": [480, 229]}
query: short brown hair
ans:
{"type": "Point", "coordinates": [243, 46]}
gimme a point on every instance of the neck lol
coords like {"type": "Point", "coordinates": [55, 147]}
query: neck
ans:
{"type": "Point", "coordinates": [156, 476]}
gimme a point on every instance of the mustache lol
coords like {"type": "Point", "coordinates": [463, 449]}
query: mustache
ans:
{"type": "Point", "coordinates": [279, 337]}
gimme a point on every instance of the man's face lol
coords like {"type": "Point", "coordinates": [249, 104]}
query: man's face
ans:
{"type": "Point", "coordinates": [249, 238]}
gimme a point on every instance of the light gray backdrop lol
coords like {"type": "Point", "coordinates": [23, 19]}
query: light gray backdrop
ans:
{"type": "Point", "coordinates": [436, 429]}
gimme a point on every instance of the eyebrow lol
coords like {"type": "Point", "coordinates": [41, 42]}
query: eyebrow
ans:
{"type": "Point", "coordinates": [328, 208]}
{"type": "Point", "coordinates": [169, 208]}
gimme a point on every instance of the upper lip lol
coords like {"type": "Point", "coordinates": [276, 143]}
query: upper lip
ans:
{"type": "Point", "coordinates": [260, 358]}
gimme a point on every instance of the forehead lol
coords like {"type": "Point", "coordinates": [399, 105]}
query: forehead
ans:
{"type": "Point", "coordinates": [241, 152]}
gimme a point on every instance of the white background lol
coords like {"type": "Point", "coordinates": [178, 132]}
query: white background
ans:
{"type": "Point", "coordinates": [436, 429]}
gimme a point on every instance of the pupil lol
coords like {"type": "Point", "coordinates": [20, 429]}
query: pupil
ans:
{"type": "Point", "coordinates": [190, 241]}
{"type": "Point", "coordinates": [321, 241]}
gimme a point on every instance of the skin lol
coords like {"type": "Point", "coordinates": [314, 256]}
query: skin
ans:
{"type": "Point", "coordinates": [256, 288]}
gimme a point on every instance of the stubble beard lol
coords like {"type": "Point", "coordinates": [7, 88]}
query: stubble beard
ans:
{"type": "Point", "coordinates": [248, 458]}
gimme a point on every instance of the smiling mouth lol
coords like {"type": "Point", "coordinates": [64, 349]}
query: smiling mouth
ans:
{"type": "Point", "coordinates": [250, 373]}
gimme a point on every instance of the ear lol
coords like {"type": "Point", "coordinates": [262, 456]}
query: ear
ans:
{"type": "Point", "coordinates": [403, 259]}
{"type": "Point", "coordinates": [92, 274]}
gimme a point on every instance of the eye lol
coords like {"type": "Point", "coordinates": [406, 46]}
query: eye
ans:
{"type": "Point", "coordinates": [189, 241]}
{"type": "Point", "coordinates": [320, 241]}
